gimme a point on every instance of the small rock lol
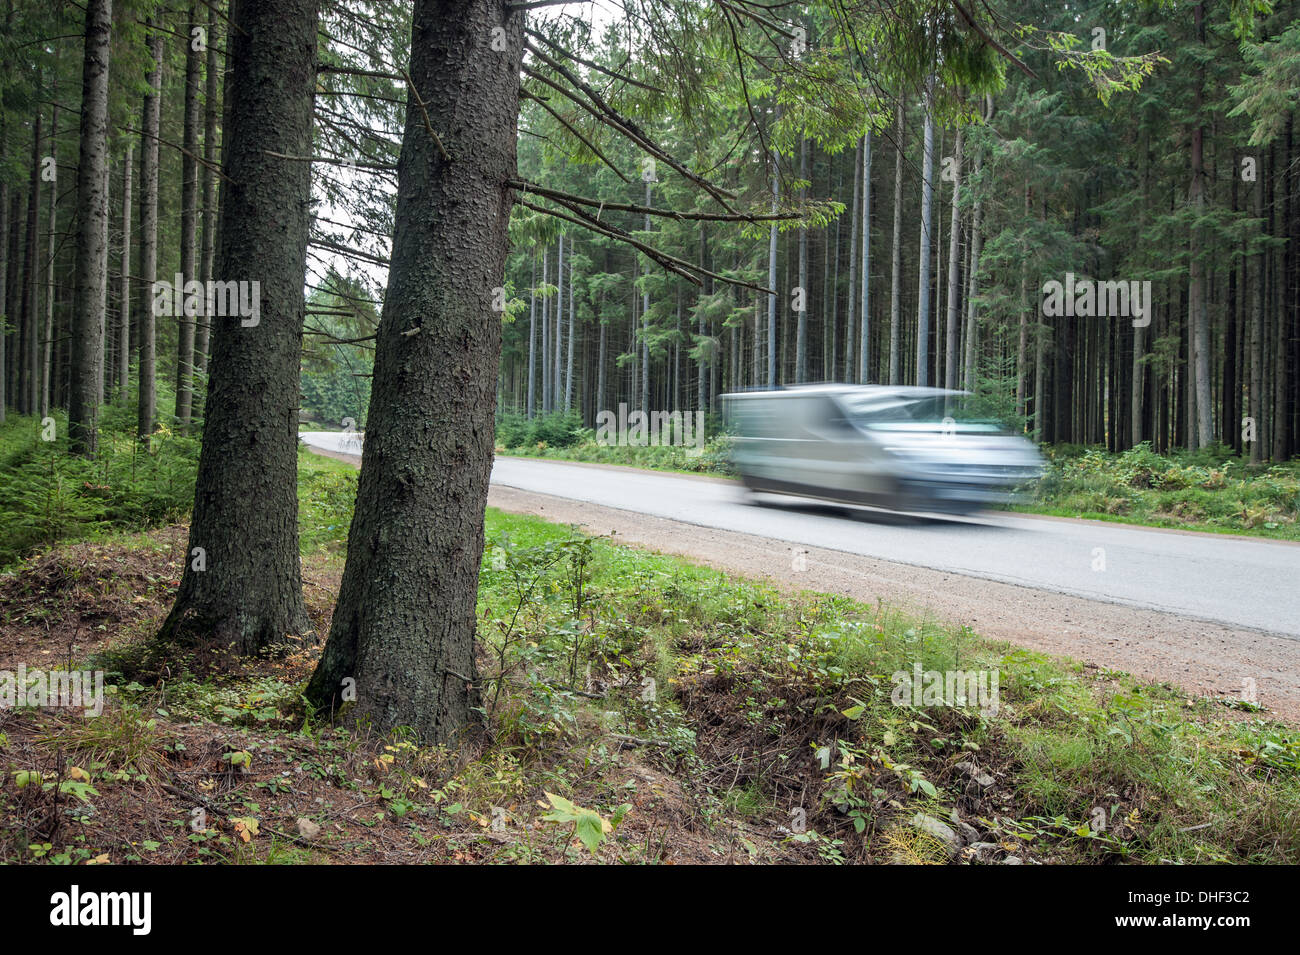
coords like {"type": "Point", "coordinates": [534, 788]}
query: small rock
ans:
{"type": "Point", "coordinates": [1013, 860]}
{"type": "Point", "coordinates": [939, 830]}
{"type": "Point", "coordinates": [307, 829]}
{"type": "Point", "coordinates": [983, 851]}
{"type": "Point", "coordinates": [971, 770]}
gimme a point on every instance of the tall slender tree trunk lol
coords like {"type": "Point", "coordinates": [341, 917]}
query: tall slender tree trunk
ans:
{"type": "Point", "coordinates": [1022, 348]}
{"type": "Point", "coordinates": [972, 282]}
{"type": "Point", "coordinates": [554, 358]}
{"type": "Point", "coordinates": [771, 273]}
{"type": "Point", "coordinates": [242, 585]}
{"type": "Point", "coordinates": [1283, 294]}
{"type": "Point", "coordinates": [835, 293]}
{"type": "Point", "coordinates": [31, 379]}
{"type": "Point", "coordinates": [404, 625]}
{"type": "Point", "coordinates": [600, 367]}
{"type": "Point", "coordinates": [1256, 334]}
{"type": "Point", "coordinates": [13, 300]}
{"type": "Point", "coordinates": [701, 365]}
{"type": "Point", "coordinates": [923, 282]}
{"type": "Point", "coordinates": [90, 300]}
{"type": "Point", "coordinates": [954, 266]}
{"type": "Point", "coordinates": [854, 221]}
{"type": "Point", "coordinates": [5, 322]}
{"type": "Point", "coordinates": [645, 318]}
{"type": "Point", "coordinates": [801, 317]}
{"type": "Point", "coordinates": [864, 319]}
{"type": "Point", "coordinates": [147, 417]}
{"type": "Point", "coordinates": [120, 379]}
{"type": "Point", "coordinates": [568, 369]}
{"type": "Point", "coordinates": [1041, 332]}
{"type": "Point", "coordinates": [208, 230]}
{"type": "Point", "coordinates": [532, 338]}
{"type": "Point", "coordinates": [51, 227]}
{"type": "Point", "coordinates": [1198, 305]}
{"type": "Point", "coordinates": [896, 273]}
{"type": "Point", "coordinates": [546, 334]}
{"type": "Point", "coordinates": [189, 220]}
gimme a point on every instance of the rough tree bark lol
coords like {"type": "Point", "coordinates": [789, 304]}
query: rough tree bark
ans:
{"type": "Point", "coordinates": [242, 585]}
{"type": "Point", "coordinates": [403, 627]}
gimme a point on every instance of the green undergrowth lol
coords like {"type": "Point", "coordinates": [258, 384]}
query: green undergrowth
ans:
{"type": "Point", "coordinates": [641, 708]}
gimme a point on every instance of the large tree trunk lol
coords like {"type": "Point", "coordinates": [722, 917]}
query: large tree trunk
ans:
{"type": "Point", "coordinates": [244, 589]}
{"type": "Point", "coordinates": [90, 300]}
{"type": "Point", "coordinates": [147, 419]}
{"type": "Point", "coordinates": [896, 275]}
{"type": "Point", "coordinates": [189, 218]}
{"type": "Point", "coordinates": [404, 625]}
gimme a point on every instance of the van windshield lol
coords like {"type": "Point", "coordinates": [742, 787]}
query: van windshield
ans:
{"type": "Point", "coordinates": [891, 412]}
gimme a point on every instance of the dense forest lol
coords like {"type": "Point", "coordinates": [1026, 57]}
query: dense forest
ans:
{"type": "Point", "coordinates": [955, 211]}
{"type": "Point", "coordinates": [913, 233]}
{"type": "Point", "coordinates": [1084, 214]}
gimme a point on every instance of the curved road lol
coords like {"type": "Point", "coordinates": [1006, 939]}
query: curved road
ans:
{"type": "Point", "coordinates": [1068, 570]}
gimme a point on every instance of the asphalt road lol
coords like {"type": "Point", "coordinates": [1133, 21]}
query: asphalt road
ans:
{"type": "Point", "coordinates": [1252, 584]}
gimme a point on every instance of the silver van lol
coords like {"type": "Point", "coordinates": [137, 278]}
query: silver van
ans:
{"type": "Point", "coordinates": [905, 448]}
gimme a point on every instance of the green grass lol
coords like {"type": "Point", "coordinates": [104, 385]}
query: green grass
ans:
{"type": "Point", "coordinates": [1172, 778]}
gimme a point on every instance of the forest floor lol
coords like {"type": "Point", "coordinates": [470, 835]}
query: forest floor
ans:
{"type": "Point", "coordinates": [640, 708]}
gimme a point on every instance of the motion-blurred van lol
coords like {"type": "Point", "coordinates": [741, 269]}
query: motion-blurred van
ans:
{"type": "Point", "coordinates": [904, 448]}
